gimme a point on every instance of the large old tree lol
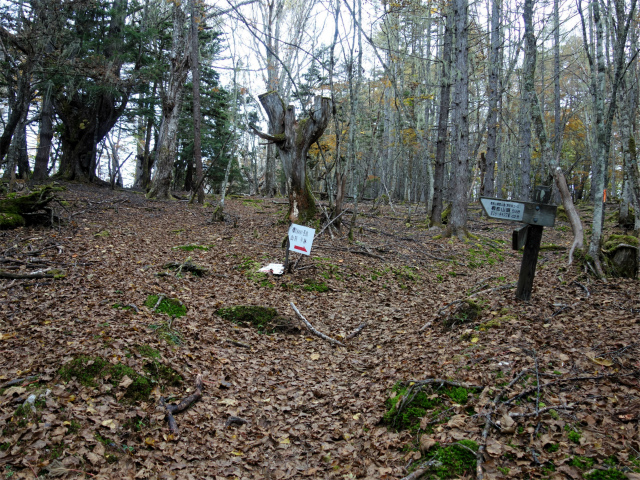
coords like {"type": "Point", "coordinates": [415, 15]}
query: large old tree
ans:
{"type": "Point", "coordinates": [293, 138]}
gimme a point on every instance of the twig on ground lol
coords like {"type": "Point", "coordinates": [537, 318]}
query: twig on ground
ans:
{"type": "Point", "coordinates": [237, 344]}
{"type": "Point", "coordinates": [17, 381]}
{"type": "Point", "coordinates": [583, 287]}
{"type": "Point", "coordinates": [183, 405]}
{"type": "Point", "coordinates": [357, 331]}
{"type": "Point", "coordinates": [313, 330]}
{"type": "Point", "coordinates": [235, 421]}
{"type": "Point", "coordinates": [160, 298]}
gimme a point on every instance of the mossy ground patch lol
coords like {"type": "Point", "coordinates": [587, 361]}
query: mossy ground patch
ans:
{"type": "Point", "coordinates": [89, 371]}
{"type": "Point", "coordinates": [263, 319]}
{"type": "Point", "coordinates": [171, 306]}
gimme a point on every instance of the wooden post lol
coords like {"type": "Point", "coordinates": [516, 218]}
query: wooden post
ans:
{"type": "Point", "coordinates": [529, 261]}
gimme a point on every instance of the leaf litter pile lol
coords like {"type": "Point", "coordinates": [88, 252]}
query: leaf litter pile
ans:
{"type": "Point", "coordinates": [132, 346]}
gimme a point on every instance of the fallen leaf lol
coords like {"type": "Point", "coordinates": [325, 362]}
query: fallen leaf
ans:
{"type": "Point", "coordinates": [494, 447]}
{"type": "Point", "coordinates": [126, 381]}
{"type": "Point", "coordinates": [605, 362]}
{"type": "Point", "coordinates": [426, 442]}
{"type": "Point", "coordinates": [109, 423]}
{"type": "Point", "coordinates": [16, 390]}
{"type": "Point", "coordinates": [228, 401]}
{"type": "Point", "coordinates": [315, 356]}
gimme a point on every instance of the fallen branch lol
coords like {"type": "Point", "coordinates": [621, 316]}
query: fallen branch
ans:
{"type": "Point", "coordinates": [183, 405]}
{"type": "Point", "coordinates": [235, 421]}
{"type": "Point", "coordinates": [26, 276]}
{"type": "Point", "coordinates": [357, 331]}
{"type": "Point", "coordinates": [17, 381]}
{"type": "Point", "coordinates": [313, 330]}
{"type": "Point", "coordinates": [237, 344]}
{"type": "Point", "coordinates": [495, 289]}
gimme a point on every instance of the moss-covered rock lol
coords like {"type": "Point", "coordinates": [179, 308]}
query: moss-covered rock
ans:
{"type": "Point", "coordinates": [621, 255]}
{"type": "Point", "coordinates": [14, 207]}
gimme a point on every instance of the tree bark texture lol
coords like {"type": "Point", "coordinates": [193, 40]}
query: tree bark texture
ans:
{"type": "Point", "coordinates": [293, 137]}
{"type": "Point", "coordinates": [460, 132]}
{"type": "Point", "coordinates": [197, 117]}
{"type": "Point", "coordinates": [443, 118]}
{"type": "Point", "coordinates": [171, 107]}
{"type": "Point", "coordinates": [495, 60]}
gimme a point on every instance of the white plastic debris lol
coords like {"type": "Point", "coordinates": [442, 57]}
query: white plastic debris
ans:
{"type": "Point", "coordinates": [275, 268]}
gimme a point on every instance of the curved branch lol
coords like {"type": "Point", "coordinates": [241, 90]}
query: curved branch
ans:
{"type": "Point", "coordinates": [266, 136]}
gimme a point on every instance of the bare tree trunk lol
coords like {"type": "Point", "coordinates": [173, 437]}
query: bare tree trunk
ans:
{"type": "Point", "coordinates": [171, 107]}
{"type": "Point", "coordinates": [45, 136]}
{"type": "Point", "coordinates": [528, 91]}
{"type": "Point", "coordinates": [460, 133]}
{"type": "Point", "coordinates": [197, 116]}
{"type": "Point", "coordinates": [443, 118]}
{"type": "Point", "coordinates": [293, 138]}
{"type": "Point", "coordinates": [495, 60]}
{"type": "Point", "coordinates": [604, 121]}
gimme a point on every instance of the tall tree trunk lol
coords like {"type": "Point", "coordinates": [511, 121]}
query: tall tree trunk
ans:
{"type": "Point", "coordinates": [293, 138]}
{"type": "Point", "coordinates": [45, 136]}
{"type": "Point", "coordinates": [495, 61]}
{"type": "Point", "coordinates": [460, 133]}
{"type": "Point", "coordinates": [528, 91]}
{"type": "Point", "coordinates": [443, 118]}
{"type": "Point", "coordinates": [604, 119]}
{"type": "Point", "coordinates": [197, 117]}
{"type": "Point", "coordinates": [171, 107]}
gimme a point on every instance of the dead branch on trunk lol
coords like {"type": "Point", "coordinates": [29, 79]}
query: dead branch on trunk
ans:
{"type": "Point", "coordinates": [183, 405]}
{"type": "Point", "coordinates": [313, 330]}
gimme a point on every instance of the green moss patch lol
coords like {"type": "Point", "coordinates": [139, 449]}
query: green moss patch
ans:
{"type": "Point", "coordinates": [583, 463]}
{"type": "Point", "coordinates": [171, 306]}
{"type": "Point", "coordinates": [455, 460]}
{"type": "Point", "coordinates": [464, 311]}
{"type": "Point", "coordinates": [615, 240]}
{"type": "Point", "coordinates": [192, 247]}
{"type": "Point", "coordinates": [11, 220]}
{"type": "Point", "coordinates": [147, 351]}
{"type": "Point", "coordinates": [405, 413]}
{"type": "Point", "coordinates": [611, 474]}
{"type": "Point", "coordinates": [90, 370]}
{"type": "Point", "coordinates": [311, 285]}
{"type": "Point", "coordinates": [263, 319]}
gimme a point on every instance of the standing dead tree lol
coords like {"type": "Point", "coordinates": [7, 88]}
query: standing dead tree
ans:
{"type": "Point", "coordinates": [293, 138]}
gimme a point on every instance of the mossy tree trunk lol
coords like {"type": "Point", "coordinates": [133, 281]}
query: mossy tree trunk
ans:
{"type": "Point", "coordinates": [293, 138]}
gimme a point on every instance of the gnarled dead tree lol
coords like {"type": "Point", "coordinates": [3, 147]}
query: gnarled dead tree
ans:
{"type": "Point", "coordinates": [293, 138]}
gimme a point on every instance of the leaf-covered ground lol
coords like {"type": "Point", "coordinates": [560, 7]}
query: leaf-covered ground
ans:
{"type": "Point", "coordinates": [547, 389]}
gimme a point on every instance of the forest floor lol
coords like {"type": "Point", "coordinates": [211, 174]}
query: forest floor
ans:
{"type": "Point", "coordinates": [549, 388]}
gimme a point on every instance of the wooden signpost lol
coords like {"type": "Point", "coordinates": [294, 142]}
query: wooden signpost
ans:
{"type": "Point", "coordinates": [536, 215]}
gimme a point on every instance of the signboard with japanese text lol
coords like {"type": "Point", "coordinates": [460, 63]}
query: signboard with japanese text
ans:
{"type": "Point", "coordinates": [540, 214]}
{"type": "Point", "coordinates": [503, 209]}
{"type": "Point", "coordinates": [301, 239]}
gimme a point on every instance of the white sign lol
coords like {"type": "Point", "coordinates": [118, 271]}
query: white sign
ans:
{"type": "Point", "coordinates": [503, 209]}
{"type": "Point", "coordinates": [301, 239]}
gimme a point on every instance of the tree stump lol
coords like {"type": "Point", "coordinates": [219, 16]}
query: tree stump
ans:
{"type": "Point", "coordinates": [622, 254]}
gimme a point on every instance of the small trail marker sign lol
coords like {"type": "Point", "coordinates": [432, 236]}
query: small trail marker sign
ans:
{"type": "Point", "coordinates": [301, 239]}
{"type": "Point", "coordinates": [536, 216]}
{"type": "Point", "coordinates": [503, 209]}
